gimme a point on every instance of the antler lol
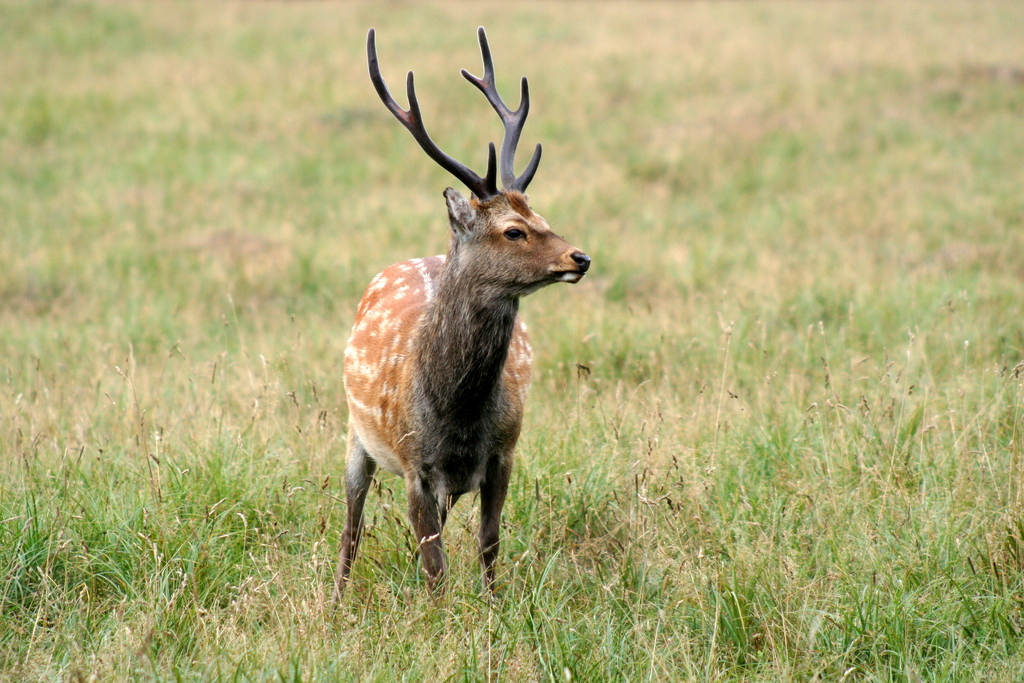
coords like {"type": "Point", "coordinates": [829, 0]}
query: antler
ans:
{"type": "Point", "coordinates": [484, 188]}
{"type": "Point", "coordinates": [513, 120]}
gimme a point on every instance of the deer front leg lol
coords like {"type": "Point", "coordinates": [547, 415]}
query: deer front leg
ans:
{"type": "Point", "coordinates": [427, 517]}
{"type": "Point", "coordinates": [359, 472]}
{"type": "Point", "coordinates": [492, 500]}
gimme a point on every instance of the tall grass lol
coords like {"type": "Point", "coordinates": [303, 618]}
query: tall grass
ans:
{"type": "Point", "coordinates": [774, 435]}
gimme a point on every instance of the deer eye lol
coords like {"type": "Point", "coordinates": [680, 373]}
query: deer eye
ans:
{"type": "Point", "coordinates": [515, 234]}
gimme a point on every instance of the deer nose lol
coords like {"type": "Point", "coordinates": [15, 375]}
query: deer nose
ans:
{"type": "Point", "coordinates": [582, 260]}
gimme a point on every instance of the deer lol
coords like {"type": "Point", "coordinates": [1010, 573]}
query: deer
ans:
{"type": "Point", "coordinates": [438, 365]}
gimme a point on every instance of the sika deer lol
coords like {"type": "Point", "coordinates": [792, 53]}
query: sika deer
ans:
{"type": "Point", "coordinates": [438, 365]}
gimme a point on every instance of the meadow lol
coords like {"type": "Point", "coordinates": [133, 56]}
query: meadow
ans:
{"type": "Point", "coordinates": [774, 435]}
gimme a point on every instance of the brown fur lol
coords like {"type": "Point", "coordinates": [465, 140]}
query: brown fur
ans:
{"type": "Point", "coordinates": [517, 201]}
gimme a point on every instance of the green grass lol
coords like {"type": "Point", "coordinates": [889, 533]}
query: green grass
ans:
{"type": "Point", "coordinates": [775, 435]}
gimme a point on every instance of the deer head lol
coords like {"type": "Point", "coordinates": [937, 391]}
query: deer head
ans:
{"type": "Point", "coordinates": [502, 244]}
{"type": "Point", "coordinates": [498, 230]}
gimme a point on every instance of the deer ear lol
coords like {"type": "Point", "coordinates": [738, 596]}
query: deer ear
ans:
{"type": "Point", "coordinates": [461, 215]}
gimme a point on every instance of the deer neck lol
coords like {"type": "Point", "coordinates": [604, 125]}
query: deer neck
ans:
{"type": "Point", "coordinates": [463, 342]}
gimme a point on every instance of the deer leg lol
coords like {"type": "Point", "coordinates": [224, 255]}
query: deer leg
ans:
{"type": "Point", "coordinates": [427, 517]}
{"type": "Point", "coordinates": [359, 472]}
{"type": "Point", "coordinates": [492, 500]}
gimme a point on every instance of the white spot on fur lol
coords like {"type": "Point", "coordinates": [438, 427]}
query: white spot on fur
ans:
{"type": "Point", "coordinates": [428, 282]}
{"type": "Point", "coordinates": [353, 402]}
{"type": "Point", "coordinates": [378, 283]}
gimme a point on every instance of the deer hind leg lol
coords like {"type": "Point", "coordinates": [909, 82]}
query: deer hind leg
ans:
{"type": "Point", "coordinates": [492, 499]}
{"type": "Point", "coordinates": [428, 517]}
{"type": "Point", "coordinates": [359, 472]}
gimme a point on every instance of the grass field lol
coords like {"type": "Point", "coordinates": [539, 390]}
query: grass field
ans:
{"type": "Point", "coordinates": [775, 435]}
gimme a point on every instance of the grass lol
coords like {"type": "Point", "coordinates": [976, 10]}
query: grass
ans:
{"type": "Point", "coordinates": [775, 435]}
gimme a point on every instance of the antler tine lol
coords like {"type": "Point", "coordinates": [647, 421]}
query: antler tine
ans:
{"type": "Point", "coordinates": [512, 120]}
{"type": "Point", "coordinates": [484, 188]}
